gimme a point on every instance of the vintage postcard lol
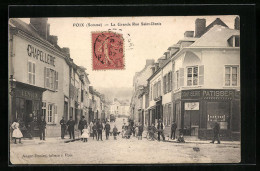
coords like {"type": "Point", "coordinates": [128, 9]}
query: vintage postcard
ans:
{"type": "Point", "coordinates": [124, 90]}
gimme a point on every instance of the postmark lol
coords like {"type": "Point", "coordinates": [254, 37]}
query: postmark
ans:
{"type": "Point", "coordinates": [107, 51]}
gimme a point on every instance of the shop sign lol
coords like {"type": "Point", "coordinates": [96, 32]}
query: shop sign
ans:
{"type": "Point", "coordinates": [217, 118]}
{"type": "Point", "coordinates": [27, 94]}
{"type": "Point", "coordinates": [40, 55]}
{"type": "Point", "coordinates": [208, 94]}
{"type": "Point", "coordinates": [192, 106]}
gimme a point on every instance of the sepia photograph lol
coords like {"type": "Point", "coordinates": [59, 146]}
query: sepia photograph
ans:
{"type": "Point", "coordinates": [124, 90]}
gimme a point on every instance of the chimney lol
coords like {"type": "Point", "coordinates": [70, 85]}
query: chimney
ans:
{"type": "Point", "coordinates": [53, 40]}
{"type": "Point", "coordinates": [66, 51]}
{"type": "Point", "coordinates": [200, 27]}
{"type": "Point", "coordinates": [153, 69]}
{"type": "Point", "coordinates": [149, 62]}
{"type": "Point", "coordinates": [156, 66]}
{"type": "Point", "coordinates": [40, 24]}
{"type": "Point", "coordinates": [48, 30]}
{"type": "Point", "coordinates": [237, 23]}
{"type": "Point", "coordinates": [189, 34]}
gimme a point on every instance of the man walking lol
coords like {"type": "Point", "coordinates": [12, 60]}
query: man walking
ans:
{"type": "Point", "coordinates": [140, 131]}
{"type": "Point", "coordinates": [63, 127]}
{"type": "Point", "coordinates": [42, 126]}
{"type": "Point", "coordinates": [160, 127]}
{"type": "Point", "coordinates": [173, 130]}
{"type": "Point", "coordinates": [71, 124]}
{"type": "Point", "coordinates": [99, 130]}
{"type": "Point", "coordinates": [107, 129]}
{"type": "Point", "coordinates": [216, 129]}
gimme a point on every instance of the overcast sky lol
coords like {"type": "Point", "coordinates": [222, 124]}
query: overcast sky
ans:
{"type": "Point", "coordinates": [150, 42]}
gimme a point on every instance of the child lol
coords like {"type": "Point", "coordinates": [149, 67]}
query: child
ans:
{"type": "Point", "coordinates": [17, 134]}
{"type": "Point", "coordinates": [152, 131]}
{"type": "Point", "coordinates": [85, 134]}
{"type": "Point", "coordinates": [180, 138]}
{"type": "Point", "coordinates": [115, 132]}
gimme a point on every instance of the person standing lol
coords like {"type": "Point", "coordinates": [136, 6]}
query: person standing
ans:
{"type": "Point", "coordinates": [140, 131]}
{"type": "Point", "coordinates": [216, 129]}
{"type": "Point", "coordinates": [30, 125]}
{"type": "Point", "coordinates": [123, 130]}
{"type": "Point", "coordinates": [71, 124]}
{"type": "Point", "coordinates": [85, 134]}
{"type": "Point", "coordinates": [94, 129]}
{"type": "Point", "coordinates": [115, 132]}
{"type": "Point", "coordinates": [90, 129]}
{"type": "Point", "coordinates": [42, 127]}
{"type": "Point", "coordinates": [82, 124]}
{"type": "Point", "coordinates": [63, 127]}
{"type": "Point", "coordinates": [99, 130]}
{"type": "Point", "coordinates": [173, 130]}
{"type": "Point", "coordinates": [17, 134]}
{"type": "Point", "coordinates": [107, 129]}
{"type": "Point", "coordinates": [160, 127]}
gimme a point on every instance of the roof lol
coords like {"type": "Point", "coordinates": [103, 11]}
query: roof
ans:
{"type": "Point", "coordinates": [217, 21]}
{"type": "Point", "coordinates": [217, 36]}
{"type": "Point", "coordinates": [187, 39]}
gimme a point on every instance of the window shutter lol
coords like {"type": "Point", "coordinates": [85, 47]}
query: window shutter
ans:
{"type": "Point", "coordinates": [174, 80]}
{"type": "Point", "coordinates": [201, 74]}
{"type": "Point", "coordinates": [170, 84]}
{"type": "Point", "coordinates": [48, 77]}
{"type": "Point", "coordinates": [56, 80]}
{"type": "Point", "coordinates": [181, 80]}
{"type": "Point", "coordinates": [44, 77]}
{"type": "Point", "coordinates": [55, 116]}
{"type": "Point", "coordinates": [164, 85]}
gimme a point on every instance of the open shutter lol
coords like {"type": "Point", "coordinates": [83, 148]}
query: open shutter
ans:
{"type": "Point", "coordinates": [174, 81]}
{"type": "Point", "coordinates": [47, 77]}
{"type": "Point", "coordinates": [45, 70]}
{"type": "Point", "coordinates": [56, 80]}
{"type": "Point", "coordinates": [181, 79]}
{"type": "Point", "coordinates": [201, 74]}
{"type": "Point", "coordinates": [170, 84]}
{"type": "Point", "coordinates": [164, 85]}
{"type": "Point", "coordinates": [55, 116]}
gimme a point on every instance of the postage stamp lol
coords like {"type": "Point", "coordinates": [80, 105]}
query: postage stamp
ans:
{"type": "Point", "coordinates": [108, 50]}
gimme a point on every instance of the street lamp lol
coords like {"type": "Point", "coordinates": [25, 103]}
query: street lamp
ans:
{"type": "Point", "coordinates": [12, 84]}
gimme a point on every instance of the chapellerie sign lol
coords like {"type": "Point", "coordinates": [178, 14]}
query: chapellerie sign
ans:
{"type": "Point", "coordinates": [27, 94]}
{"type": "Point", "coordinates": [40, 55]}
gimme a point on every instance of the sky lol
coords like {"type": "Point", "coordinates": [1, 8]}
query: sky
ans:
{"type": "Point", "coordinates": [141, 42]}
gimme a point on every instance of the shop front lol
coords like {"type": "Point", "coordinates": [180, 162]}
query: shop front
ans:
{"type": "Point", "coordinates": [196, 111]}
{"type": "Point", "coordinates": [26, 107]}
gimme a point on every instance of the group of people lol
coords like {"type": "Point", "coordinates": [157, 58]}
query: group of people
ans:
{"type": "Point", "coordinates": [96, 127]}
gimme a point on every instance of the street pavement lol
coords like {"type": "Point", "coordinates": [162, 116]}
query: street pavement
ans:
{"type": "Point", "coordinates": [123, 151]}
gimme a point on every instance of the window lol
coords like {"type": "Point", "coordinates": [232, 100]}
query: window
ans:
{"type": "Point", "coordinates": [51, 79]}
{"type": "Point", "coordinates": [159, 88]}
{"type": "Point", "coordinates": [192, 76]}
{"type": "Point", "coordinates": [177, 79]}
{"type": "Point", "coordinates": [231, 75]}
{"type": "Point", "coordinates": [164, 84]}
{"type": "Point", "coordinates": [44, 109]}
{"type": "Point", "coordinates": [50, 113]}
{"type": "Point", "coordinates": [31, 72]}
{"type": "Point", "coordinates": [170, 81]}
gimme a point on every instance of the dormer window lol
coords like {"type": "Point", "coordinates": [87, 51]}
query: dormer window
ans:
{"type": "Point", "coordinates": [234, 41]}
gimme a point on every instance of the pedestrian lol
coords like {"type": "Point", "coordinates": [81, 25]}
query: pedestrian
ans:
{"type": "Point", "coordinates": [115, 132]}
{"type": "Point", "coordinates": [173, 130]}
{"type": "Point", "coordinates": [135, 132]}
{"type": "Point", "coordinates": [71, 124]}
{"type": "Point", "coordinates": [180, 138]}
{"type": "Point", "coordinates": [152, 131]}
{"type": "Point", "coordinates": [99, 130]}
{"type": "Point", "coordinates": [63, 127]}
{"type": "Point", "coordinates": [30, 125]}
{"type": "Point", "coordinates": [107, 129]}
{"type": "Point", "coordinates": [216, 129]}
{"type": "Point", "coordinates": [160, 127]}
{"type": "Point", "coordinates": [90, 128]}
{"type": "Point", "coordinates": [17, 134]}
{"type": "Point", "coordinates": [85, 133]}
{"type": "Point", "coordinates": [140, 131]}
{"type": "Point", "coordinates": [82, 124]}
{"type": "Point", "coordinates": [123, 130]}
{"type": "Point", "coordinates": [128, 132]}
{"type": "Point", "coordinates": [94, 129]}
{"type": "Point", "coordinates": [42, 127]}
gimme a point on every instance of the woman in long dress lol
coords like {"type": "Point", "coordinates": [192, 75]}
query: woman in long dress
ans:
{"type": "Point", "coordinates": [17, 134]}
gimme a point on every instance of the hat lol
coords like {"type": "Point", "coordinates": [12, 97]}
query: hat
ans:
{"type": "Point", "coordinates": [70, 116]}
{"type": "Point", "coordinates": [83, 117]}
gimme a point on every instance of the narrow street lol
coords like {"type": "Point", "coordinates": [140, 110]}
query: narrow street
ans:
{"type": "Point", "coordinates": [122, 151]}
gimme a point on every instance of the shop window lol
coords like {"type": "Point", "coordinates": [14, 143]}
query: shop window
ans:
{"type": "Point", "coordinates": [31, 72]}
{"type": "Point", "coordinates": [231, 75]}
{"type": "Point", "coordinates": [51, 79]}
{"type": "Point", "coordinates": [218, 112]}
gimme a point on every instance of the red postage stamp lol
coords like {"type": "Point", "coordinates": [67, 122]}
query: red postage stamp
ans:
{"type": "Point", "coordinates": [107, 50]}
